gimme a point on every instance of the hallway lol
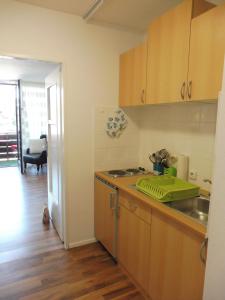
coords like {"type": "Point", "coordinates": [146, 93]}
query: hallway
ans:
{"type": "Point", "coordinates": [22, 233]}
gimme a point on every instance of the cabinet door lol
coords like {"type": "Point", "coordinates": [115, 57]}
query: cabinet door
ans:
{"type": "Point", "coordinates": [176, 271]}
{"type": "Point", "coordinates": [168, 50]}
{"type": "Point", "coordinates": [133, 246]}
{"type": "Point", "coordinates": [104, 215]}
{"type": "Point", "coordinates": [133, 76]}
{"type": "Point", "coordinates": [207, 52]}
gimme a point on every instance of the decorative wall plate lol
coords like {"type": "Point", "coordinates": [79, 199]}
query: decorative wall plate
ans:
{"type": "Point", "coordinates": [116, 123]}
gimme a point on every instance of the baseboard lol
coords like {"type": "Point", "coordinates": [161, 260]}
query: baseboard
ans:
{"type": "Point", "coordinates": [82, 243]}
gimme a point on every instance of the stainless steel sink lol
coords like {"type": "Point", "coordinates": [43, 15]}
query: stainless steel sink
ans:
{"type": "Point", "coordinates": [197, 208]}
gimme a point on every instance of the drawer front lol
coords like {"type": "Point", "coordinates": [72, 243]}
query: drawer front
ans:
{"type": "Point", "coordinates": [135, 206]}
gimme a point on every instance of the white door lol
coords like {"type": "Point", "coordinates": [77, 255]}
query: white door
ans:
{"type": "Point", "coordinates": [215, 268]}
{"type": "Point", "coordinates": [54, 100]}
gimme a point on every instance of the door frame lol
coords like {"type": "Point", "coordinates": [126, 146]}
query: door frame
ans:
{"type": "Point", "coordinates": [62, 161]}
{"type": "Point", "coordinates": [50, 82]}
{"type": "Point", "coordinates": [19, 127]}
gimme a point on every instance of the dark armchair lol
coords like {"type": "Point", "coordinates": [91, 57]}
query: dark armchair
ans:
{"type": "Point", "coordinates": [38, 159]}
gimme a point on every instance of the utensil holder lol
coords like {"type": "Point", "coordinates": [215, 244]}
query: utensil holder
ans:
{"type": "Point", "coordinates": [158, 168]}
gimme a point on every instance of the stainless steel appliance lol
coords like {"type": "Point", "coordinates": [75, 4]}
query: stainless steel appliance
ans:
{"type": "Point", "coordinates": [106, 208]}
{"type": "Point", "coordinates": [125, 172]}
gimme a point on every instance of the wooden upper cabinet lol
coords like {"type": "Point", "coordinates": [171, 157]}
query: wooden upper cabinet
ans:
{"type": "Point", "coordinates": [176, 271]}
{"type": "Point", "coordinates": [133, 76]}
{"type": "Point", "coordinates": [168, 51]}
{"type": "Point", "coordinates": [207, 50]}
{"type": "Point", "coordinates": [181, 60]}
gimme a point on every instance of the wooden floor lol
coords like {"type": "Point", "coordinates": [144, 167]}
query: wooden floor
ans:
{"type": "Point", "coordinates": [22, 233]}
{"type": "Point", "coordinates": [82, 273]}
{"type": "Point", "coordinates": [33, 263]}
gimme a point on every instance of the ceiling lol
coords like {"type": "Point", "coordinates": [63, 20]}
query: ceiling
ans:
{"type": "Point", "coordinates": [133, 15]}
{"type": "Point", "coordinates": [24, 69]}
{"type": "Point", "coordinates": [77, 7]}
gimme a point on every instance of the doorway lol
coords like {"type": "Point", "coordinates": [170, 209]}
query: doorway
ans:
{"type": "Point", "coordinates": [27, 191]}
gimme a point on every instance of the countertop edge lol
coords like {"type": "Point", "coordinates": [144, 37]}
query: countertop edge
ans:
{"type": "Point", "coordinates": [123, 183]}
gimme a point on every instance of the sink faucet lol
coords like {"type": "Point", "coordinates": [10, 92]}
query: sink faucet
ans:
{"type": "Point", "coordinates": [207, 181]}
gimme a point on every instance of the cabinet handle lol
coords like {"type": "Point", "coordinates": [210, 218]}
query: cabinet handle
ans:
{"type": "Point", "coordinates": [189, 89]}
{"type": "Point", "coordinates": [133, 206]}
{"type": "Point", "coordinates": [203, 251]}
{"type": "Point", "coordinates": [111, 201]}
{"type": "Point", "coordinates": [182, 90]}
{"type": "Point", "coordinates": [143, 96]}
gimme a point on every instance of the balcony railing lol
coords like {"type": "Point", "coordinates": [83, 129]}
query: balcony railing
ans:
{"type": "Point", "coordinates": [8, 146]}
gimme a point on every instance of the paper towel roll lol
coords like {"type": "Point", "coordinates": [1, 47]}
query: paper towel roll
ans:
{"type": "Point", "coordinates": [182, 166]}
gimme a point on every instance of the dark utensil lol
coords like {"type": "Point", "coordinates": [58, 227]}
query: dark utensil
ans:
{"type": "Point", "coordinates": [165, 163]}
{"type": "Point", "coordinates": [152, 158]}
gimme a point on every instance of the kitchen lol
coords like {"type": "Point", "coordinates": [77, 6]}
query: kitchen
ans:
{"type": "Point", "coordinates": [176, 110]}
{"type": "Point", "coordinates": [168, 92]}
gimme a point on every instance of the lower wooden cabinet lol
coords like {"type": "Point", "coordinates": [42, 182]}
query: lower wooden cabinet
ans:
{"type": "Point", "coordinates": [175, 269]}
{"type": "Point", "coordinates": [161, 255]}
{"type": "Point", "coordinates": [134, 244]}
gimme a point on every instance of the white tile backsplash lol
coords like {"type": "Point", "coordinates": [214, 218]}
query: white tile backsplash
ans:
{"type": "Point", "coordinates": [187, 128]}
{"type": "Point", "coordinates": [183, 128]}
{"type": "Point", "coordinates": [119, 152]}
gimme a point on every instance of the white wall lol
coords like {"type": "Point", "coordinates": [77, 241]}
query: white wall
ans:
{"type": "Point", "coordinates": [90, 59]}
{"type": "Point", "coordinates": [187, 128]}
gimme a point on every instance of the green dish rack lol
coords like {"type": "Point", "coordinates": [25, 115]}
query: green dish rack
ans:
{"type": "Point", "coordinates": [167, 188]}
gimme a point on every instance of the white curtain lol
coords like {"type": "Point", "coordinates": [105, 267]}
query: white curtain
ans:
{"type": "Point", "coordinates": [34, 112]}
{"type": "Point", "coordinates": [7, 108]}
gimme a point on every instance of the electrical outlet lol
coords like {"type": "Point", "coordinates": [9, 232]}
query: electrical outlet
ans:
{"type": "Point", "coordinates": [193, 175]}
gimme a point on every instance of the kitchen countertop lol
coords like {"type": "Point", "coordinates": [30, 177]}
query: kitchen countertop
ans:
{"type": "Point", "coordinates": [124, 184]}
